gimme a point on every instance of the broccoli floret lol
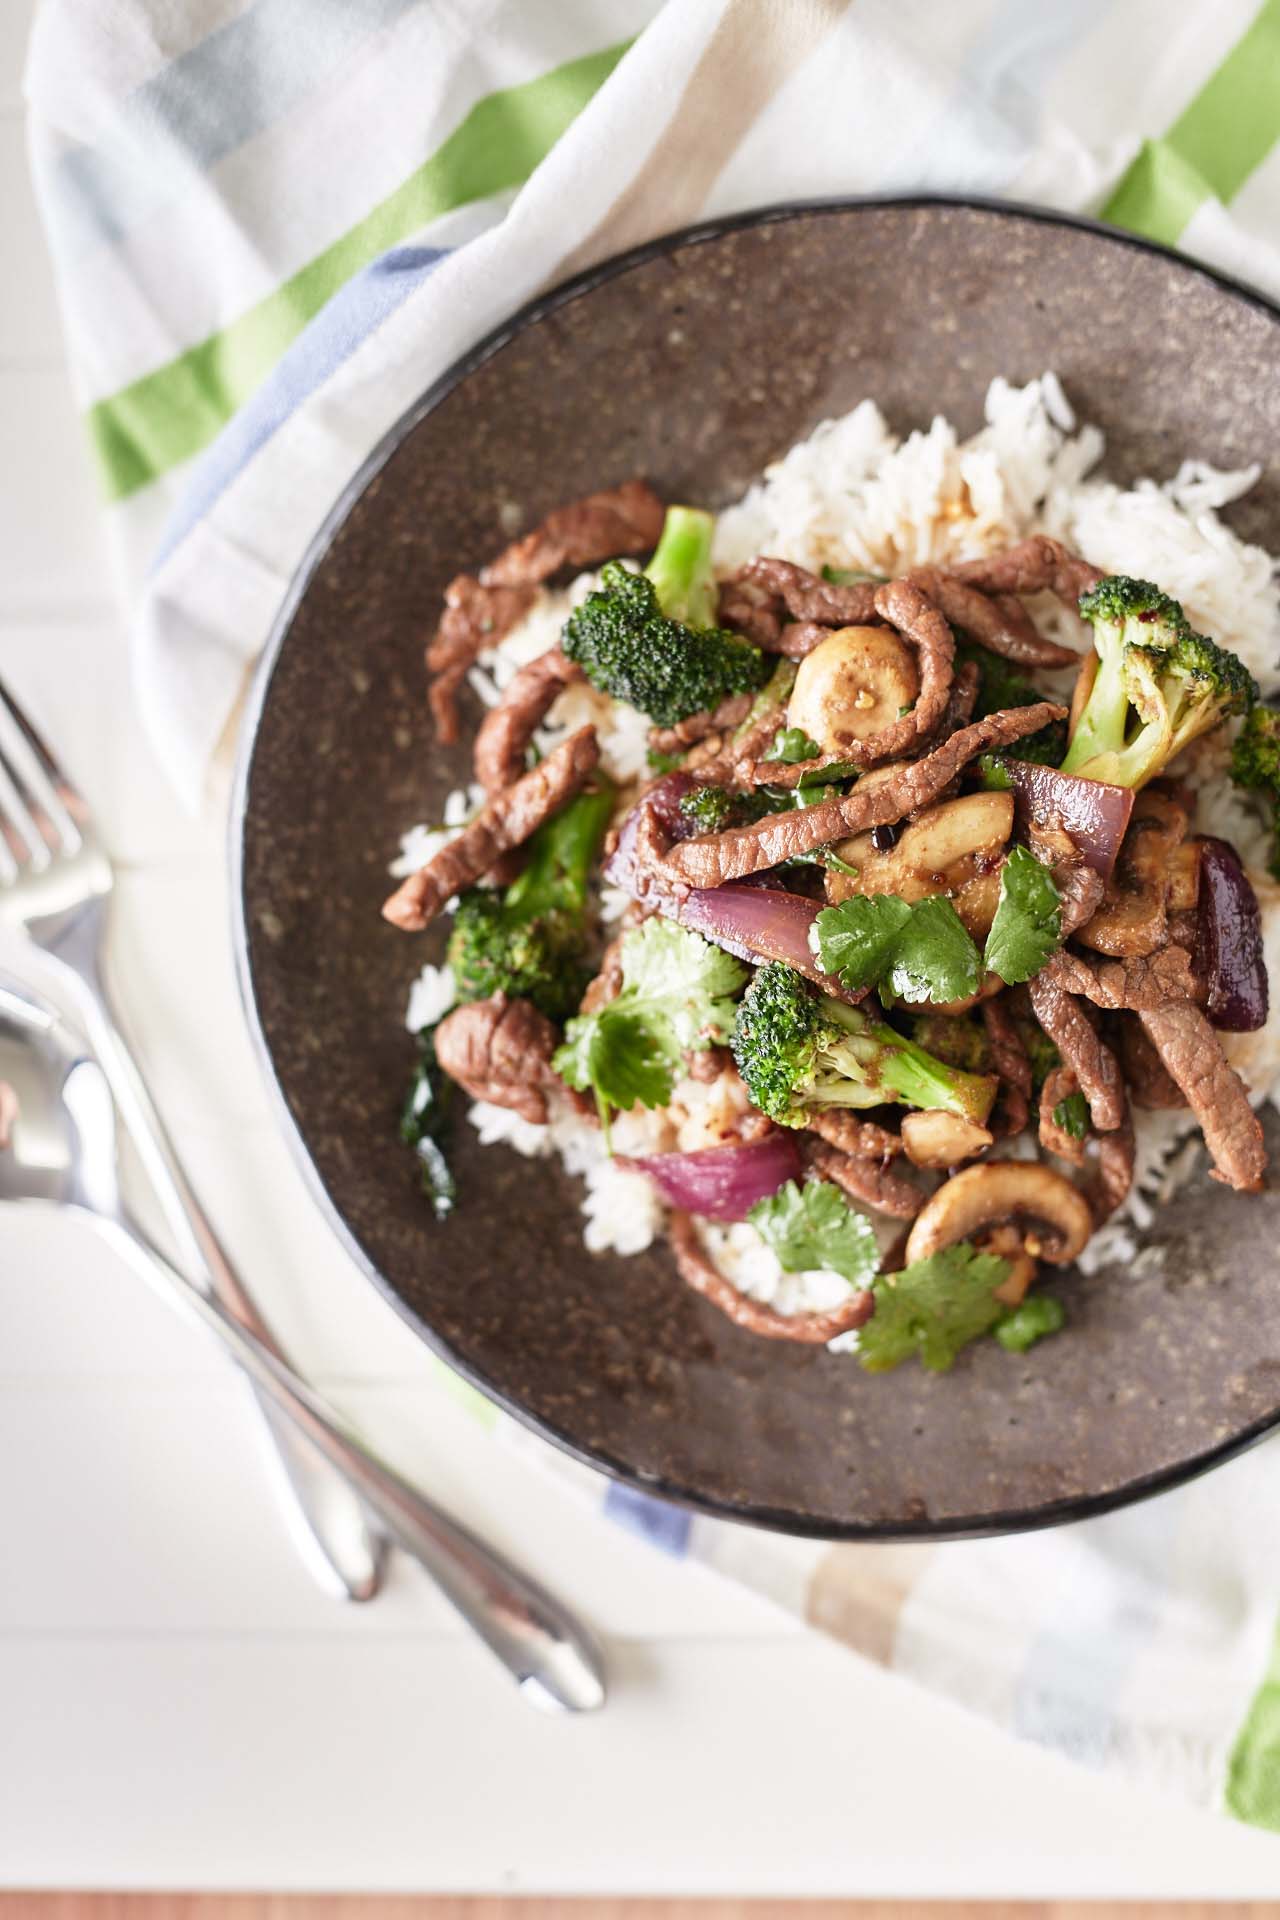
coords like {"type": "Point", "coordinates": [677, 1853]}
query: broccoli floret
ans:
{"type": "Point", "coordinates": [713, 808]}
{"type": "Point", "coordinates": [793, 745]}
{"type": "Point", "coordinates": [797, 1049]}
{"type": "Point", "coordinates": [1158, 685]}
{"type": "Point", "coordinates": [530, 940]}
{"type": "Point", "coordinates": [1255, 765]}
{"type": "Point", "coordinates": [1001, 686]}
{"type": "Point", "coordinates": [647, 638]}
{"type": "Point", "coordinates": [709, 808]}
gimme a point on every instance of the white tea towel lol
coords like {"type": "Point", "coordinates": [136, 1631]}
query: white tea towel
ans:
{"type": "Point", "coordinates": [275, 222]}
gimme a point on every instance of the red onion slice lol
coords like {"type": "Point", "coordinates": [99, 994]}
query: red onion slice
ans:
{"type": "Point", "coordinates": [1093, 812]}
{"type": "Point", "coordinates": [721, 1183]}
{"type": "Point", "coordinates": [1229, 942]}
{"type": "Point", "coordinates": [756, 923]}
{"type": "Point", "coordinates": [754, 920]}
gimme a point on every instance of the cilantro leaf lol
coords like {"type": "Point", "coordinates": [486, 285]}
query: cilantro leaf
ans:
{"type": "Point", "coordinates": [1028, 922]}
{"type": "Point", "coordinates": [423, 1122]}
{"type": "Point", "coordinates": [793, 744]}
{"type": "Point", "coordinates": [919, 951]}
{"type": "Point", "coordinates": [672, 974]}
{"type": "Point", "coordinates": [855, 940]}
{"type": "Point", "coordinates": [932, 1309]}
{"type": "Point", "coordinates": [934, 958]}
{"type": "Point", "coordinates": [1022, 1326]}
{"type": "Point", "coordinates": [1072, 1115]}
{"type": "Point", "coordinates": [620, 1058]}
{"type": "Point", "coordinates": [814, 1226]}
{"type": "Point", "coordinates": [677, 997]}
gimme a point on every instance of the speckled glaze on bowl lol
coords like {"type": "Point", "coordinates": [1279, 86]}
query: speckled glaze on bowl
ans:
{"type": "Point", "coordinates": [695, 361]}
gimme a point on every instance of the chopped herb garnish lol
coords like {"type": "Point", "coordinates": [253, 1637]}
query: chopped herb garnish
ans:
{"type": "Point", "coordinates": [932, 1309]}
{"type": "Point", "coordinates": [1028, 921]}
{"type": "Point", "coordinates": [677, 997]}
{"type": "Point", "coordinates": [912, 951]}
{"type": "Point", "coordinates": [814, 1226]}
{"type": "Point", "coordinates": [423, 1120]}
{"type": "Point", "coordinates": [1022, 1326]}
{"type": "Point", "coordinates": [1072, 1115]}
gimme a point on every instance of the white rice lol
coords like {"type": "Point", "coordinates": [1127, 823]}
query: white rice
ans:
{"type": "Point", "coordinates": [854, 494]}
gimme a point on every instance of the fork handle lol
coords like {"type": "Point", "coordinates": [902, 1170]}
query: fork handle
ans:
{"type": "Point", "coordinates": [551, 1654]}
{"type": "Point", "coordinates": [329, 1523]}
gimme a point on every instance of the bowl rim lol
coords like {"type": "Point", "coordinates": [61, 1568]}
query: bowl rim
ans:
{"type": "Point", "coordinates": [659, 1486]}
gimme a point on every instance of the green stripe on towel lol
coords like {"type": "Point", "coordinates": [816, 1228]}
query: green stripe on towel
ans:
{"type": "Point", "coordinates": [173, 412]}
{"type": "Point", "coordinates": [1225, 132]}
{"type": "Point", "coordinates": [1252, 1791]}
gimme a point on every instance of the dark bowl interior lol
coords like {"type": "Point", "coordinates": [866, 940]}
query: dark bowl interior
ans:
{"type": "Point", "coordinates": [695, 362]}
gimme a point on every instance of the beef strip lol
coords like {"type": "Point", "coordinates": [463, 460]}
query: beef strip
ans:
{"type": "Point", "coordinates": [1080, 892]}
{"type": "Point", "coordinates": [506, 730]}
{"type": "Point", "coordinates": [478, 612]}
{"type": "Point", "coordinates": [1002, 626]}
{"type": "Point", "coordinates": [1096, 1068]}
{"type": "Point", "coordinates": [475, 617]}
{"type": "Point", "coordinates": [732, 765]}
{"type": "Point", "coordinates": [806, 596]}
{"type": "Point", "coordinates": [706, 1066]}
{"type": "Point", "coordinates": [607, 983]}
{"type": "Point", "coordinates": [731, 712]}
{"type": "Point", "coordinates": [1192, 1052]}
{"type": "Point", "coordinates": [813, 1329]}
{"type": "Point", "coordinates": [755, 611]}
{"type": "Point", "coordinates": [867, 1181]}
{"type": "Point", "coordinates": [500, 1050]}
{"type": "Point", "coordinates": [800, 637]}
{"type": "Point", "coordinates": [1109, 1188]}
{"type": "Point", "coordinates": [710, 859]}
{"type": "Point", "coordinates": [8, 1112]}
{"type": "Point", "coordinates": [961, 700]}
{"type": "Point", "coordinates": [863, 1139]}
{"type": "Point", "coordinates": [1036, 565]}
{"type": "Point", "coordinates": [1059, 1085]}
{"type": "Point", "coordinates": [507, 821]}
{"type": "Point", "coordinates": [625, 519]}
{"type": "Point", "coordinates": [768, 588]}
{"type": "Point", "coordinates": [1009, 1058]}
{"type": "Point", "coordinates": [1150, 1082]}
{"type": "Point", "coordinates": [1150, 980]}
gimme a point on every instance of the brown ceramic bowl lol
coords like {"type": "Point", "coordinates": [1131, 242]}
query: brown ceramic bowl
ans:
{"type": "Point", "coordinates": [695, 361]}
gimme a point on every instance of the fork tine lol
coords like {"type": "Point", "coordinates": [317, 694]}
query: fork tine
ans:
{"type": "Point", "coordinates": [16, 817]}
{"type": "Point", "coordinates": [31, 763]}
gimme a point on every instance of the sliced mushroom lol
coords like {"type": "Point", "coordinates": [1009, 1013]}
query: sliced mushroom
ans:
{"type": "Point", "coordinates": [1007, 1244]}
{"type": "Point", "coordinates": [1132, 920]}
{"type": "Point", "coordinates": [854, 684]}
{"type": "Point", "coordinates": [976, 902]}
{"type": "Point", "coordinates": [1184, 878]}
{"type": "Point", "coordinates": [942, 850]}
{"type": "Point", "coordinates": [938, 1139]}
{"type": "Point", "coordinates": [982, 1197]}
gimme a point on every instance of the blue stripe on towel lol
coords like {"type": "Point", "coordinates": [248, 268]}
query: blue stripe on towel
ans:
{"type": "Point", "coordinates": [341, 326]}
{"type": "Point", "coordinates": [656, 1521]}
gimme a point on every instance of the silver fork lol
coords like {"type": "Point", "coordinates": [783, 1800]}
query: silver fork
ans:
{"type": "Point", "coordinates": [55, 882]}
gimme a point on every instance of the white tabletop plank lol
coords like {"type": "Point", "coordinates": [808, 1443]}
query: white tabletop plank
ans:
{"type": "Point", "coordinates": [405, 1763]}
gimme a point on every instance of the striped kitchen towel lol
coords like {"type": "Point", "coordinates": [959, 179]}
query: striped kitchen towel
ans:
{"type": "Point", "coordinates": [275, 222]}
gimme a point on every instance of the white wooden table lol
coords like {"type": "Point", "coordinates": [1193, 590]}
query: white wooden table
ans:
{"type": "Point", "coordinates": [179, 1706]}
